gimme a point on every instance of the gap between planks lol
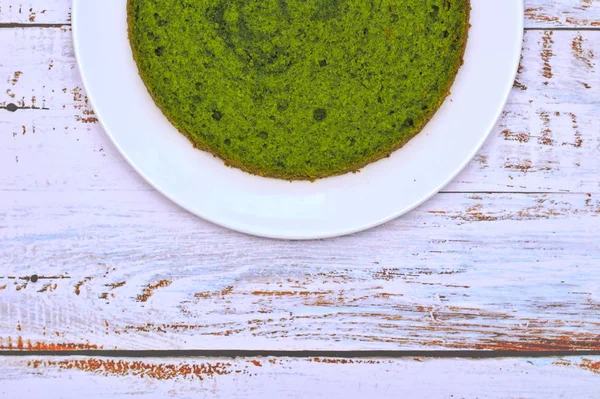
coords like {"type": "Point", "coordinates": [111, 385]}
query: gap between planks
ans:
{"type": "Point", "coordinates": [561, 28]}
{"type": "Point", "coordinates": [16, 25]}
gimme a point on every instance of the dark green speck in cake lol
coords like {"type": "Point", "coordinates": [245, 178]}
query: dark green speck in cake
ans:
{"type": "Point", "coordinates": [298, 89]}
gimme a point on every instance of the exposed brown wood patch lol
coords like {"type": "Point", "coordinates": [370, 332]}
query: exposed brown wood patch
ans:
{"type": "Point", "coordinates": [585, 56]}
{"type": "Point", "coordinates": [547, 54]}
{"type": "Point", "coordinates": [79, 284]}
{"type": "Point", "coordinates": [561, 343]}
{"type": "Point", "coordinates": [16, 77]}
{"type": "Point", "coordinates": [581, 22]}
{"type": "Point", "coordinates": [538, 14]}
{"type": "Point", "coordinates": [112, 286]}
{"type": "Point", "coordinates": [19, 287]}
{"type": "Point", "coordinates": [527, 166]}
{"type": "Point", "coordinates": [585, 4]}
{"type": "Point", "coordinates": [149, 290]}
{"type": "Point", "coordinates": [483, 161]}
{"type": "Point", "coordinates": [18, 343]}
{"type": "Point", "coordinates": [212, 294]}
{"type": "Point", "coordinates": [34, 278]}
{"type": "Point", "coordinates": [390, 274]}
{"type": "Point", "coordinates": [48, 287]}
{"type": "Point", "coordinates": [546, 134]}
{"type": "Point", "coordinates": [513, 136]}
{"type": "Point", "coordinates": [575, 124]}
{"type": "Point", "coordinates": [82, 103]}
{"type": "Point", "coordinates": [517, 84]}
{"type": "Point", "coordinates": [585, 364]}
{"type": "Point", "coordinates": [155, 371]}
{"type": "Point", "coordinates": [203, 329]}
{"type": "Point", "coordinates": [290, 293]}
{"type": "Point", "coordinates": [541, 15]}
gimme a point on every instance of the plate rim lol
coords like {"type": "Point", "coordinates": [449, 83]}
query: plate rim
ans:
{"type": "Point", "coordinates": [294, 235]}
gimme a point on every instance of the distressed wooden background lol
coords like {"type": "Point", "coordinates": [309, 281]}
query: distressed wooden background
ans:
{"type": "Point", "coordinates": [507, 257]}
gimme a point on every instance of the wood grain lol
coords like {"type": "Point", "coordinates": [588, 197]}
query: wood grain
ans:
{"type": "Point", "coordinates": [124, 270]}
{"type": "Point", "coordinates": [547, 140]}
{"type": "Point", "coordinates": [35, 12]}
{"type": "Point", "coordinates": [76, 377]}
{"type": "Point", "coordinates": [507, 258]}
{"type": "Point", "coordinates": [563, 13]}
{"type": "Point", "coordinates": [538, 13]}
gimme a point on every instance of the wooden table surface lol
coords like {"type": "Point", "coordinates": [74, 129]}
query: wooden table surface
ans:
{"type": "Point", "coordinates": [489, 290]}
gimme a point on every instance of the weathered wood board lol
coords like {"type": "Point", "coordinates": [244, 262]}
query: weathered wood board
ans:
{"type": "Point", "coordinates": [275, 378]}
{"type": "Point", "coordinates": [538, 13]}
{"type": "Point", "coordinates": [546, 141]}
{"type": "Point", "coordinates": [468, 271]}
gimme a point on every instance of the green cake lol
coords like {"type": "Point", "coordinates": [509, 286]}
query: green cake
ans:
{"type": "Point", "coordinates": [298, 89]}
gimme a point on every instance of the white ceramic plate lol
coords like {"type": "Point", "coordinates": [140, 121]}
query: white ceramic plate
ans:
{"type": "Point", "coordinates": [330, 207]}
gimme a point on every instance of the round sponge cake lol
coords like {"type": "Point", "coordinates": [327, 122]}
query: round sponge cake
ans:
{"type": "Point", "coordinates": [298, 89]}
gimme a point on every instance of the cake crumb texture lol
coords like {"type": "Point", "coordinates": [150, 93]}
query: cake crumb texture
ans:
{"type": "Point", "coordinates": [298, 89]}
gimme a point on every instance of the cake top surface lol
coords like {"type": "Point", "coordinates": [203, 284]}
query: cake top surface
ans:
{"type": "Point", "coordinates": [298, 89]}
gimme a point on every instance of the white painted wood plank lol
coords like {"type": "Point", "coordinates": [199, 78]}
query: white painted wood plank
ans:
{"type": "Point", "coordinates": [266, 378]}
{"type": "Point", "coordinates": [35, 11]}
{"type": "Point", "coordinates": [562, 13]}
{"type": "Point", "coordinates": [547, 140]}
{"type": "Point", "coordinates": [538, 13]}
{"type": "Point", "coordinates": [130, 270]}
